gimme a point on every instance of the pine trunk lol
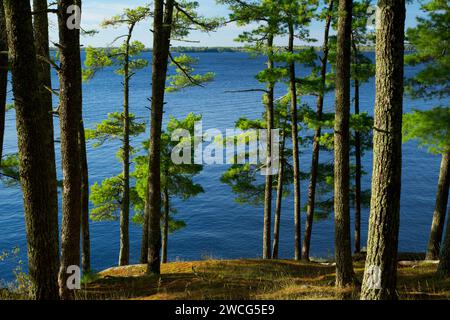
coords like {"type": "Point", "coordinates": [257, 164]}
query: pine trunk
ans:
{"type": "Point", "coordinates": [437, 227]}
{"type": "Point", "coordinates": [85, 235]}
{"type": "Point", "coordinates": [165, 238]}
{"type": "Point", "coordinates": [444, 258]}
{"type": "Point", "coordinates": [144, 242]}
{"type": "Point", "coordinates": [316, 145]}
{"type": "Point", "coordinates": [279, 201]}
{"type": "Point", "coordinates": [269, 176]}
{"type": "Point", "coordinates": [124, 255]}
{"type": "Point", "coordinates": [41, 39]}
{"type": "Point", "coordinates": [343, 253]}
{"type": "Point", "coordinates": [295, 151]}
{"type": "Point", "coordinates": [358, 173]}
{"type": "Point", "coordinates": [380, 276]}
{"type": "Point", "coordinates": [161, 46]}
{"type": "Point", "coordinates": [34, 140]}
{"type": "Point", "coordinates": [3, 75]}
{"type": "Point", "coordinates": [70, 119]}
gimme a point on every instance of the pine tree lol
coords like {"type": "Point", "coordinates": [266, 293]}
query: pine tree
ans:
{"type": "Point", "coordinates": [343, 254]}
{"type": "Point", "coordinates": [261, 38]}
{"type": "Point", "coordinates": [431, 129]}
{"type": "Point", "coordinates": [165, 26]}
{"type": "Point", "coordinates": [70, 109]}
{"type": "Point", "coordinates": [298, 15]}
{"type": "Point", "coordinates": [176, 179]}
{"type": "Point", "coordinates": [127, 66]}
{"type": "Point", "coordinates": [429, 39]}
{"type": "Point", "coordinates": [361, 71]}
{"type": "Point", "coordinates": [36, 172]}
{"type": "Point", "coordinates": [316, 142]}
{"type": "Point", "coordinates": [380, 275]}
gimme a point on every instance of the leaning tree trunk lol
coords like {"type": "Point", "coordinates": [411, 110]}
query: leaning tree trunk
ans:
{"type": "Point", "coordinates": [3, 75]}
{"type": "Point", "coordinates": [161, 45]}
{"type": "Point", "coordinates": [269, 162]}
{"type": "Point", "coordinates": [70, 118]}
{"type": "Point", "coordinates": [35, 139]}
{"type": "Point", "coordinates": [124, 254]}
{"type": "Point", "coordinates": [343, 253]}
{"type": "Point", "coordinates": [437, 227]}
{"type": "Point", "coordinates": [279, 201]}
{"type": "Point", "coordinates": [295, 151]}
{"type": "Point", "coordinates": [380, 275]}
{"type": "Point", "coordinates": [358, 167]}
{"type": "Point", "coordinates": [316, 145]}
{"type": "Point", "coordinates": [444, 258]}
{"type": "Point", "coordinates": [165, 238]}
{"type": "Point", "coordinates": [85, 234]}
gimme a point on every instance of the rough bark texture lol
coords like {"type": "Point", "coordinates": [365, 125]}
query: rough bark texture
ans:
{"type": "Point", "coordinates": [3, 75]}
{"type": "Point", "coordinates": [40, 24]}
{"type": "Point", "coordinates": [70, 118]}
{"type": "Point", "coordinates": [269, 177]}
{"type": "Point", "coordinates": [165, 238]}
{"type": "Point", "coordinates": [34, 140]}
{"type": "Point", "coordinates": [380, 275]}
{"type": "Point", "coordinates": [279, 201]}
{"type": "Point", "coordinates": [358, 173]}
{"type": "Point", "coordinates": [444, 258]}
{"type": "Point", "coordinates": [295, 151]}
{"type": "Point", "coordinates": [437, 226]}
{"type": "Point", "coordinates": [85, 235]}
{"type": "Point", "coordinates": [316, 146]}
{"type": "Point", "coordinates": [358, 166]}
{"type": "Point", "coordinates": [343, 254]}
{"type": "Point", "coordinates": [124, 254]}
{"type": "Point", "coordinates": [162, 22]}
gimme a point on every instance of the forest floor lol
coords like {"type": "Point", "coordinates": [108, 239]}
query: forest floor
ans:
{"type": "Point", "coordinates": [253, 279]}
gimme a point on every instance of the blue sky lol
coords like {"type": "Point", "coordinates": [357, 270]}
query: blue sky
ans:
{"type": "Point", "coordinates": [94, 11]}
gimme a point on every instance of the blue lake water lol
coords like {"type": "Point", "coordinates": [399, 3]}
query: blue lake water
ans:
{"type": "Point", "coordinates": [216, 225]}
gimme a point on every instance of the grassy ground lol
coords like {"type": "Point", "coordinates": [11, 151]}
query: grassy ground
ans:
{"type": "Point", "coordinates": [252, 279]}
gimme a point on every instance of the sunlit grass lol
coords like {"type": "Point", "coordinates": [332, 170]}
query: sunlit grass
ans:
{"type": "Point", "coordinates": [253, 279]}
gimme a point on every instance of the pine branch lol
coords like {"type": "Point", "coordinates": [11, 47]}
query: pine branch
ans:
{"type": "Point", "coordinates": [188, 76]}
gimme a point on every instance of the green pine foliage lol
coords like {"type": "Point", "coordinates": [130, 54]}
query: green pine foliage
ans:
{"type": "Point", "coordinates": [430, 41]}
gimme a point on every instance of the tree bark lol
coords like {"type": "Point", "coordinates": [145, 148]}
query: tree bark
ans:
{"type": "Point", "coordinates": [3, 75]}
{"type": "Point", "coordinates": [85, 234]}
{"type": "Point", "coordinates": [343, 254]}
{"type": "Point", "coordinates": [144, 242]}
{"type": "Point", "coordinates": [70, 118]}
{"type": "Point", "coordinates": [437, 227]}
{"type": "Point", "coordinates": [358, 174]}
{"type": "Point", "coordinates": [34, 140]}
{"type": "Point", "coordinates": [316, 145]}
{"type": "Point", "coordinates": [444, 258]}
{"type": "Point", "coordinates": [381, 260]}
{"type": "Point", "coordinates": [40, 25]}
{"type": "Point", "coordinates": [269, 176]}
{"type": "Point", "coordinates": [162, 24]}
{"type": "Point", "coordinates": [165, 238]}
{"type": "Point", "coordinates": [358, 166]}
{"type": "Point", "coordinates": [295, 151]}
{"type": "Point", "coordinates": [279, 201]}
{"type": "Point", "coordinates": [124, 255]}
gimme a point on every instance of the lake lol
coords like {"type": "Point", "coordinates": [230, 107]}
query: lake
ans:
{"type": "Point", "coordinates": [217, 226]}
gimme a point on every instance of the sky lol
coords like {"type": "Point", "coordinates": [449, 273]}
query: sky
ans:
{"type": "Point", "coordinates": [95, 11]}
